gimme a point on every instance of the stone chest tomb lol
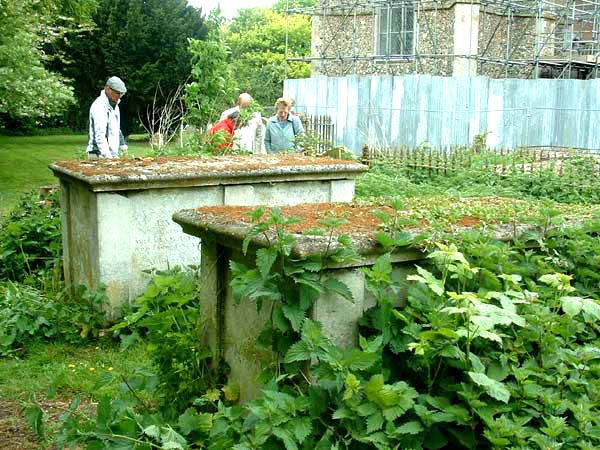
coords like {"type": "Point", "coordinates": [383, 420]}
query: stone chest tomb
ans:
{"type": "Point", "coordinates": [116, 213]}
{"type": "Point", "coordinates": [232, 328]}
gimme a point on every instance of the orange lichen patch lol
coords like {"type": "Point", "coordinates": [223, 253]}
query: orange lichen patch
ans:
{"type": "Point", "coordinates": [360, 218]}
{"type": "Point", "coordinates": [193, 164]}
{"type": "Point", "coordinates": [468, 221]}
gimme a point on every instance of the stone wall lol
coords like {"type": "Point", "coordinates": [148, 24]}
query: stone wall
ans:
{"type": "Point", "coordinates": [352, 33]}
{"type": "Point", "coordinates": [344, 41]}
{"type": "Point", "coordinates": [503, 37]}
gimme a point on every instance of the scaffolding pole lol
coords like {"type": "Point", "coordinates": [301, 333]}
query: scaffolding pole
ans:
{"type": "Point", "coordinates": [547, 38]}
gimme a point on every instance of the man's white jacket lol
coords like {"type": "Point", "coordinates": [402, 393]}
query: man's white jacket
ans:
{"type": "Point", "coordinates": [105, 128]}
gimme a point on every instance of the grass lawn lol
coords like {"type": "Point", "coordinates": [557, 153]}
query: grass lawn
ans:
{"type": "Point", "coordinates": [51, 375]}
{"type": "Point", "coordinates": [24, 162]}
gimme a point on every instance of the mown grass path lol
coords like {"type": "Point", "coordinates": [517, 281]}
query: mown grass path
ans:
{"type": "Point", "coordinates": [24, 162]}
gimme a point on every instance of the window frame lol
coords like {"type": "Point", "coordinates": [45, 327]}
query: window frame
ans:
{"type": "Point", "coordinates": [389, 32]}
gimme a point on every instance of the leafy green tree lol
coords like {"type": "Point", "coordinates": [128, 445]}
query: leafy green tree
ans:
{"type": "Point", "coordinates": [29, 91]}
{"type": "Point", "coordinates": [282, 6]}
{"type": "Point", "coordinates": [145, 42]}
{"type": "Point", "coordinates": [257, 39]}
{"type": "Point", "coordinates": [212, 85]}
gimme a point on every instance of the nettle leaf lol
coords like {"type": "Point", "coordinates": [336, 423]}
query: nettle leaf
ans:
{"type": "Point", "coordinates": [358, 360]}
{"type": "Point", "coordinates": [571, 305]}
{"type": "Point", "coordinates": [171, 439]}
{"type": "Point", "coordinates": [300, 351]}
{"type": "Point", "coordinates": [454, 310]}
{"type": "Point", "coordinates": [592, 308]}
{"type": "Point", "coordinates": [372, 344]}
{"type": "Point", "coordinates": [381, 215]}
{"type": "Point", "coordinates": [483, 323]}
{"type": "Point", "coordinates": [441, 333]}
{"type": "Point", "coordinates": [314, 231]}
{"type": "Point", "coordinates": [342, 413]}
{"type": "Point", "coordinates": [191, 421]}
{"type": "Point", "coordinates": [333, 222]}
{"type": "Point", "coordinates": [476, 363]}
{"type": "Point", "coordinates": [279, 320]}
{"type": "Point", "coordinates": [412, 427]}
{"type": "Point", "coordinates": [493, 388]}
{"type": "Point", "coordinates": [384, 239]}
{"type": "Point", "coordinates": [352, 386]}
{"type": "Point", "coordinates": [265, 257]}
{"type": "Point", "coordinates": [374, 422]}
{"type": "Point", "coordinates": [383, 267]}
{"type": "Point", "coordinates": [152, 431]}
{"type": "Point", "coordinates": [287, 437]}
{"type": "Point", "coordinates": [256, 214]}
{"type": "Point", "coordinates": [374, 385]}
{"type": "Point", "coordinates": [312, 266]}
{"type": "Point", "coordinates": [367, 409]}
{"type": "Point", "coordinates": [295, 315]}
{"type": "Point", "coordinates": [334, 285]}
{"type": "Point", "coordinates": [302, 427]}
{"type": "Point", "coordinates": [308, 295]}
{"type": "Point", "coordinates": [428, 279]}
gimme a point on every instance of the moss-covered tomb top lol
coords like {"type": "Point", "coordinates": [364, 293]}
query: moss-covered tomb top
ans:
{"type": "Point", "coordinates": [502, 217]}
{"type": "Point", "coordinates": [148, 173]}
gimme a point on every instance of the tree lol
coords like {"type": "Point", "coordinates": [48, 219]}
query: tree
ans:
{"type": "Point", "coordinates": [144, 42]}
{"type": "Point", "coordinates": [257, 38]}
{"type": "Point", "coordinates": [29, 91]}
{"type": "Point", "coordinates": [281, 6]}
{"type": "Point", "coordinates": [212, 85]}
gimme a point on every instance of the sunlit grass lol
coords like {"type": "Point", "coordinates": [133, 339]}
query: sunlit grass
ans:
{"type": "Point", "coordinates": [24, 162]}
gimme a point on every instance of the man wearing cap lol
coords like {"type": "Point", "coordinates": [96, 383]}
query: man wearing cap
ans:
{"type": "Point", "coordinates": [106, 138]}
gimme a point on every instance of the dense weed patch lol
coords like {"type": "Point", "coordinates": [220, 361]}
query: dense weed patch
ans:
{"type": "Point", "coordinates": [34, 303]}
{"type": "Point", "coordinates": [495, 347]}
{"type": "Point", "coordinates": [577, 182]}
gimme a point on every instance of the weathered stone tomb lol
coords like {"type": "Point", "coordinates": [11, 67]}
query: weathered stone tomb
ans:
{"type": "Point", "coordinates": [231, 328]}
{"type": "Point", "coordinates": [116, 213]}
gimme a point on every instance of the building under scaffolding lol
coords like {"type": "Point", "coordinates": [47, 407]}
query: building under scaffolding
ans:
{"type": "Point", "coordinates": [494, 38]}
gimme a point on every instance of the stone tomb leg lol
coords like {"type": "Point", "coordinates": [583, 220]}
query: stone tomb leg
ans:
{"type": "Point", "coordinates": [116, 214]}
{"type": "Point", "coordinates": [231, 328]}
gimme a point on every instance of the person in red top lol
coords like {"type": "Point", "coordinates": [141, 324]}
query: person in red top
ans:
{"type": "Point", "coordinates": [228, 125]}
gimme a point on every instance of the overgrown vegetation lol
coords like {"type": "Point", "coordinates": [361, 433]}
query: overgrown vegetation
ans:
{"type": "Point", "coordinates": [34, 304]}
{"type": "Point", "coordinates": [576, 181]}
{"type": "Point", "coordinates": [470, 361]}
{"type": "Point", "coordinates": [488, 344]}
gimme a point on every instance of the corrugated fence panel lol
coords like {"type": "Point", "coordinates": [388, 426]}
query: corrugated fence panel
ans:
{"type": "Point", "coordinates": [408, 110]}
{"type": "Point", "coordinates": [397, 95]}
{"type": "Point", "coordinates": [352, 117]}
{"type": "Point", "coordinates": [594, 95]}
{"type": "Point", "coordinates": [364, 112]}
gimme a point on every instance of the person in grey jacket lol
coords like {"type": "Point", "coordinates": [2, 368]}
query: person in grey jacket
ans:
{"type": "Point", "coordinates": [283, 128]}
{"type": "Point", "coordinates": [105, 136]}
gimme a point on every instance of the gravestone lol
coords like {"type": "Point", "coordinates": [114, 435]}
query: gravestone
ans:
{"type": "Point", "coordinates": [231, 328]}
{"type": "Point", "coordinates": [116, 213]}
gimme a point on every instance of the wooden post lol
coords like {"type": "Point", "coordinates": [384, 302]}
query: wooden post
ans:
{"type": "Point", "coordinates": [365, 159]}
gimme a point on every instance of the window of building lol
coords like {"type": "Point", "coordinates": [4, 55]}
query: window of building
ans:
{"type": "Point", "coordinates": [396, 30]}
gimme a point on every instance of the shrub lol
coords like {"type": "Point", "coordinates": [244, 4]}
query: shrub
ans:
{"type": "Point", "coordinates": [31, 241]}
{"type": "Point", "coordinates": [28, 314]}
{"type": "Point", "coordinates": [167, 318]}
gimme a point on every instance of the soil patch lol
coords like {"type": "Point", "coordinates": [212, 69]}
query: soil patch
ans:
{"type": "Point", "coordinates": [15, 433]}
{"type": "Point", "coordinates": [194, 164]}
{"type": "Point", "coordinates": [360, 218]}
